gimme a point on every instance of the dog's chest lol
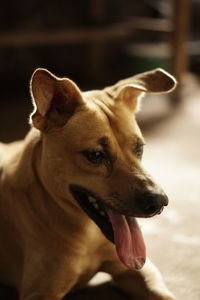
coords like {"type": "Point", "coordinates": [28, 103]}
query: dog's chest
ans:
{"type": "Point", "coordinates": [90, 266]}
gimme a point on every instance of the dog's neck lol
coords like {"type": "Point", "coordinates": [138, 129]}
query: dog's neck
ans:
{"type": "Point", "coordinates": [25, 175]}
{"type": "Point", "coordinates": [18, 171]}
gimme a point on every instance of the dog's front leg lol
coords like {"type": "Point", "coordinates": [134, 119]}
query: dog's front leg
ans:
{"type": "Point", "coordinates": [54, 290]}
{"type": "Point", "coordinates": [48, 288]}
{"type": "Point", "coordinates": [146, 284]}
{"type": "Point", "coordinates": [47, 277]}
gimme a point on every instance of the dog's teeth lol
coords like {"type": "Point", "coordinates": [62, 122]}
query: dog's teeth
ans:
{"type": "Point", "coordinates": [96, 205]}
{"type": "Point", "coordinates": [102, 213]}
{"type": "Point", "coordinates": [91, 199]}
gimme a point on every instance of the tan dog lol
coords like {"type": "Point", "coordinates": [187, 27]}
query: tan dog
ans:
{"type": "Point", "coordinates": [79, 165]}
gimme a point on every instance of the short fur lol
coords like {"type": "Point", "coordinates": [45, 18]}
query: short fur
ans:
{"type": "Point", "coordinates": [48, 244]}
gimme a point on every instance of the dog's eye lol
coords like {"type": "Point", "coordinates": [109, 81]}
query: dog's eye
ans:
{"type": "Point", "coordinates": [94, 156]}
{"type": "Point", "coordinates": [139, 150]}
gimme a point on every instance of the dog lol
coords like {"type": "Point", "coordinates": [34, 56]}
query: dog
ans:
{"type": "Point", "coordinates": [71, 191]}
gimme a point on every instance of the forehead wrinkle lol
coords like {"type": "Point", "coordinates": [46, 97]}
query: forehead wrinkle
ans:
{"type": "Point", "coordinates": [105, 108]}
{"type": "Point", "coordinates": [122, 122]}
{"type": "Point", "coordinates": [105, 143]}
{"type": "Point", "coordinates": [110, 156]}
{"type": "Point", "coordinates": [100, 100]}
{"type": "Point", "coordinates": [126, 140]}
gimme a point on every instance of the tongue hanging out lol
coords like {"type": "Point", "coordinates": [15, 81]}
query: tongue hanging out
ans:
{"type": "Point", "coordinates": [129, 241]}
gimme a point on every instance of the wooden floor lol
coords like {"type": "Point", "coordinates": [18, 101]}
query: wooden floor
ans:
{"type": "Point", "coordinates": [172, 155]}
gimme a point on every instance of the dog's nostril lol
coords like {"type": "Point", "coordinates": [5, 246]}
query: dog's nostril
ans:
{"type": "Point", "coordinates": [153, 203]}
{"type": "Point", "coordinates": [150, 209]}
{"type": "Point", "coordinates": [165, 200]}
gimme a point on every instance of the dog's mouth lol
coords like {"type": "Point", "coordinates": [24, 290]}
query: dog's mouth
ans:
{"type": "Point", "coordinates": [122, 230]}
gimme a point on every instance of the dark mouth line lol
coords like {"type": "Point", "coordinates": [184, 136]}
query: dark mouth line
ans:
{"type": "Point", "coordinates": [94, 208]}
{"type": "Point", "coordinates": [95, 204]}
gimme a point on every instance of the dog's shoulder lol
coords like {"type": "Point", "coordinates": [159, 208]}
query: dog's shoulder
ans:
{"type": "Point", "coordinates": [8, 150]}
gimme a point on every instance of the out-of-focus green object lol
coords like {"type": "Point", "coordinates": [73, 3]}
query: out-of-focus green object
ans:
{"type": "Point", "coordinates": [145, 56]}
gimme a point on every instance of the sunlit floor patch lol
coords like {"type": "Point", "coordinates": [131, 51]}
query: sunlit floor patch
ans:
{"type": "Point", "coordinates": [149, 226]}
{"type": "Point", "coordinates": [172, 216]}
{"type": "Point", "coordinates": [187, 240]}
{"type": "Point", "coordinates": [99, 278]}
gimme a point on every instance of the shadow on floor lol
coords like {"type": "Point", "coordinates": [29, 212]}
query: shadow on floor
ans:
{"type": "Point", "coordinates": [103, 291]}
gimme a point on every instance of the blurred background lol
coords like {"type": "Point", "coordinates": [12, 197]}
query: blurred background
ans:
{"type": "Point", "coordinates": [96, 43]}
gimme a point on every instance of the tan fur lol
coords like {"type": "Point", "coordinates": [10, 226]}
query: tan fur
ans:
{"type": "Point", "coordinates": [48, 245]}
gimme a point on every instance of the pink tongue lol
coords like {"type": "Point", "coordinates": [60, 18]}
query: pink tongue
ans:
{"type": "Point", "coordinates": [129, 241]}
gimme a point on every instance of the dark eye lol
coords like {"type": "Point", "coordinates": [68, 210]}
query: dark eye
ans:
{"type": "Point", "coordinates": [139, 150]}
{"type": "Point", "coordinates": [94, 156]}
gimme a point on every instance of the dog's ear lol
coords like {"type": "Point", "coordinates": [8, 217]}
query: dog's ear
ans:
{"type": "Point", "coordinates": [131, 90]}
{"type": "Point", "coordinates": [55, 99]}
{"type": "Point", "coordinates": [130, 95]}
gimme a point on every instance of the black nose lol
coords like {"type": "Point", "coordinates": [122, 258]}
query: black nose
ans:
{"type": "Point", "coordinates": [152, 203]}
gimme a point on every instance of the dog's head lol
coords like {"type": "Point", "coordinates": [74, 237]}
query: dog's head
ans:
{"type": "Point", "coordinates": [92, 149]}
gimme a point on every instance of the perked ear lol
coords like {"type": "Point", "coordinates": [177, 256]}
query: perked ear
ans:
{"type": "Point", "coordinates": [131, 90]}
{"type": "Point", "coordinates": [130, 95]}
{"type": "Point", "coordinates": [55, 99]}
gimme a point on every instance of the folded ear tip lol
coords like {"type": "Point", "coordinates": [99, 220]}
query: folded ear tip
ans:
{"type": "Point", "coordinates": [167, 81]}
{"type": "Point", "coordinates": [167, 74]}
